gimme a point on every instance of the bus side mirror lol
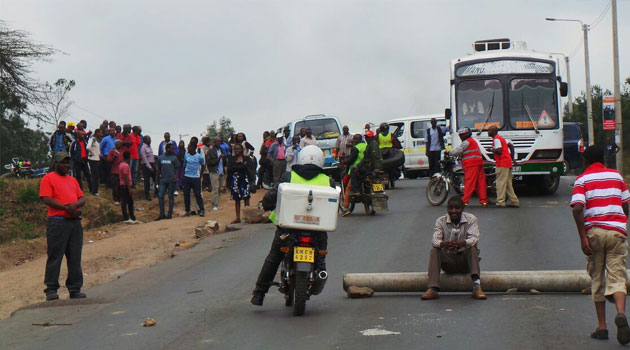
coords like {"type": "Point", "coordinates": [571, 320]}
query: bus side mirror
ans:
{"type": "Point", "coordinates": [447, 114]}
{"type": "Point", "coordinates": [564, 89]}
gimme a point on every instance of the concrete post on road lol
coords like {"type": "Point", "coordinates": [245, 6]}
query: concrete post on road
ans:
{"type": "Point", "coordinates": [618, 116]}
{"type": "Point", "coordinates": [589, 93]}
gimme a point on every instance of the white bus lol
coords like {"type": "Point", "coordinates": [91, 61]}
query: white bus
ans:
{"type": "Point", "coordinates": [504, 84]}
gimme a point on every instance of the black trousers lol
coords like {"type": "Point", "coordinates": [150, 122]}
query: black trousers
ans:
{"type": "Point", "coordinates": [64, 237]}
{"type": "Point", "coordinates": [148, 175]}
{"type": "Point", "coordinates": [126, 202]}
{"type": "Point", "coordinates": [114, 181]}
{"type": "Point", "coordinates": [95, 171]}
{"type": "Point", "coordinates": [106, 168]}
{"type": "Point", "coordinates": [434, 161]}
{"type": "Point", "coordinates": [82, 167]}
{"type": "Point", "coordinates": [274, 258]}
{"type": "Point", "coordinates": [357, 175]}
{"type": "Point", "coordinates": [193, 183]}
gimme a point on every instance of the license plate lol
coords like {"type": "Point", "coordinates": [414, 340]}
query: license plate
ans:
{"type": "Point", "coordinates": [377, 187]}
{"type": "Point", "coordinates": [303, 254]}
{"type": "Point", "coordinates": [516, 168]}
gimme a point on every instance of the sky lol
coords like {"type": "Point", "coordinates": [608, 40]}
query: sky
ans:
{"type": "Point", "coordinates": [178, 65]}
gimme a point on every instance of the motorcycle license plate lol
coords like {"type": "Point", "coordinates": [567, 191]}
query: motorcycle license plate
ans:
{"type": "Point", "coordinates": [304, 254]}
{"type": "Point", "coordinates": [377, 187]}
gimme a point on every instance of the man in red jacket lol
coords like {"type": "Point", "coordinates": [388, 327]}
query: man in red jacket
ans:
{"type": "Point", "coordinates": [472, 162]}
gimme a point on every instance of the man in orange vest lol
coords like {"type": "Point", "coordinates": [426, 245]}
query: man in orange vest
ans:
{"type": "Point", "coordinates": [503, 159]}
{"type": "Point", "coordinates": [472, 162]}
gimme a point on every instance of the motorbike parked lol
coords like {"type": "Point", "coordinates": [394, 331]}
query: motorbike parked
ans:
{"type": "Point", "coordinates": [22, 169]}
{"type": "Point", "coordinates": [372, 195]}
{"type": "Point", "coordinates": [299, 276]}
{"type": "Point", "coordinates": [452, 176]}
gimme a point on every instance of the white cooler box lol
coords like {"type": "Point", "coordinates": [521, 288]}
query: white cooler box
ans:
{"type": "Point", "coordinates": [295, 211]}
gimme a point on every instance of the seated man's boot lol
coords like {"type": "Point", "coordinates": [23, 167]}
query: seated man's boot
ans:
{"type": "Point", "coordinates": [430, 294]}
{"type": "Point", "coordinates": [478, 294]}
{"type": "Point", "coordinates": [258, 298]}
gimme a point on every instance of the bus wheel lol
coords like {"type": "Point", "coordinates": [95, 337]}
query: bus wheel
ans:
{"type": "Point", "coordinates": [548, 184]}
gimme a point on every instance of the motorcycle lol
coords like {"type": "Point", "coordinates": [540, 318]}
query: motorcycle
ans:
{"type": "Point", "coordinates": [299, 276]}
{"type": "Point", "coordinates": [372, 195]}
{"type": "Point", "coordinates": [393, 162]}
{"type": "Point", "coordinates": [22, 169]}
{"type": "Point", "coordinates": [452, 176]}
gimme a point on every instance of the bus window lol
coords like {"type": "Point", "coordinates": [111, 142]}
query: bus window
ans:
{"type": "Point", "coordinates": [479, 102]}
{"type": "Point", "coordinates": [321, 129]}
{"type": "Point", "coordinates": [419, 129]}
{"type": "Point", "coordinates": [533, 102]}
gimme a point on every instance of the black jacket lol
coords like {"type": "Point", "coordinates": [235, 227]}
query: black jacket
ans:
{"type": "Point", "coordinates": [307, 171]}
{"type": "Point", "coordinates": [75, 151]}
{"type": "Point", "coordinates": [440, 135]}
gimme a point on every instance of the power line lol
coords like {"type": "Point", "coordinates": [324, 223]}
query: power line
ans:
{"type": "Point", "coordinates": [577, 47]}
{"type": "Point", "coordinates": [601, 15]}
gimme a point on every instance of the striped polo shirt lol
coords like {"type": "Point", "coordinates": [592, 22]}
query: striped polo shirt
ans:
{"type": "Point", "coordinates": [602, 192]}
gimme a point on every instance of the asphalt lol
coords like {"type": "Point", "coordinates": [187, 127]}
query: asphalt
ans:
{"type": "Point", "coordinates": [200, 298]}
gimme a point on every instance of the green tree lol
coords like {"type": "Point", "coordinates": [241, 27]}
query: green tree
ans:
{"type": "Point", "coordinates": [221, 128]}
{"type": "Point", "coordinates": [17, 140]}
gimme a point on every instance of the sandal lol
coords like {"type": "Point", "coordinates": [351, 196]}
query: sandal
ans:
{"type": "Point", "coordinates": [601, 334]}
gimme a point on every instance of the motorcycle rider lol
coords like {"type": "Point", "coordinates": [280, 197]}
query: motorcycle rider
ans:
{"type": "Point", "coordinates": [307, 171]}
{"type": "Point", "coordinates": [356, 156]}
{"type": "Point", "coordinates": [372, 162]}
{"type": "Point", "coordinates": [386, 139]}
{"type": "Point", "coordinates": [472, 162]}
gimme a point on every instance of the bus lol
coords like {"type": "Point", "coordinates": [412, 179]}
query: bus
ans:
{"type": "Point", "coordinates": [504, 84]}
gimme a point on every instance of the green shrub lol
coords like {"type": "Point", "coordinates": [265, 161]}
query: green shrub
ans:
{"type": "Point", "coordinates": [28, 194]}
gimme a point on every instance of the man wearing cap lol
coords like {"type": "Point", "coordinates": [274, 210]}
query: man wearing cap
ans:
{"type": "Point", "coordinates": [64, 233]}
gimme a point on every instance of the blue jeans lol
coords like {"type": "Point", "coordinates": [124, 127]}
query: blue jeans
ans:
{"type": "Point", "coordinates": [171, 196]}
{"type": "Point", "coordinates": [133, 165]}
{"type": "Point", "coordinates": [193, 183]}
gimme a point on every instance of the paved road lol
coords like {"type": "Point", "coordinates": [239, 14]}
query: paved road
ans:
{"type": "Point", "coordinates": [201, 297]}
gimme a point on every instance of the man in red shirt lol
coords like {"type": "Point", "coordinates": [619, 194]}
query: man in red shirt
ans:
{"type": "Point", "coordinates": [114, 157]}
{"type": "Point", "coordinates": [64, 233]}
{"type": "Point", "coordinates": [503, 159]}
{"type": "Point", "coordinates": [126, 197]}
{"type": "Point", "coordinates": [600, 210]}
{"type": "Point", "coordinates": [134, 149]}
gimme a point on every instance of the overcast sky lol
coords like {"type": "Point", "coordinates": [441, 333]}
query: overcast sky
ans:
{"type": "Point", "coordinates": [177, 65]}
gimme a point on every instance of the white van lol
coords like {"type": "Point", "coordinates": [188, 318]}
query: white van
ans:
{"type": "Point", "coordinates": [411, 132]}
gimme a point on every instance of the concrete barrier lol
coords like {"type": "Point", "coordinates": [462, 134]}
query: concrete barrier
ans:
{"type": "Point", "coordinates": [565, 281]}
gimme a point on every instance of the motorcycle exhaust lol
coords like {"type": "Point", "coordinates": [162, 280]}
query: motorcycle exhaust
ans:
{"type": "Point", "coordinates": [319, 283]}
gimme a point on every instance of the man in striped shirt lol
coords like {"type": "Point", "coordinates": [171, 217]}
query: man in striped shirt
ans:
{"type": "Point", "coordinates": [600, 209]}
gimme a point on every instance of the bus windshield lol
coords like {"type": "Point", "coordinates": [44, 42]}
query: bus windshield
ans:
{"type": "Point", "coordinates": [321, 129]}
{"type": "Point", "coordinates": [479, 104]}
{"type": "Point", "coordinates": [533, 103]}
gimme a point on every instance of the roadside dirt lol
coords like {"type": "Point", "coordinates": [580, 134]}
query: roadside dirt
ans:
{"type": "Point", "coordinates": [108, 251]}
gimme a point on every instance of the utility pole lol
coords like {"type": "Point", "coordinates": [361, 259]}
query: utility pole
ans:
{"type": "Point", "coordinates": [618, 120]}
{"type": "Point", "coordinates": [566, 61]}
{"type": "Point", "coordinates": [589, 95]}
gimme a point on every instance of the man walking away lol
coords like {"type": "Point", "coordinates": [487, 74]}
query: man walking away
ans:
{"type": "Point", "coordinates": [167, 178]}
{"type": "Point", "coordinates": [148, 166]}
{"type": "Point", "coordinates": [78, 152]}
{"type": "Point", "coordinates": [503, 160]}
{"type": "Point", "coordinates": [434, 146]}
{"type": "Point", "coordinates": [455, 238]}
{"type": "Point", "coordinates": [64, 233]}
{"type": "Point", "coordinates": [215, 164]}
{"type": "Point", "coordinates": [126, 196]}
{"type": "Point", "coordinates": [94, 158]}
{"type": "Point", "coordinates": [600, 210]}
{"type": "Point", "coordinates": [115, 157]}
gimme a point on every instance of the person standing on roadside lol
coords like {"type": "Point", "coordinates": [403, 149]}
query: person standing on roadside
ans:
{"type": "Point", "coordinates": [134, 149]}
{"type": "Point", "coordinates": [292, 152]}
{"type": "Point", "coordinates": [434, 146]}
{"type": "Point", "coordinates": [126, 194]}
{"type": "Point", "coordinates": [215, 164]}
{"type": "Point", "coordinates": [79, 155]}
{"type": "Point", "coordinates": [239, 174]}
{"type": "Point", "coordinates": [600, 211]}
{"type": "Point", "coordinates": [167, 140]}
{"type": "Point", "coordinates": [148, 166]}
{"type": "Point", "coordinates": [94, 158]}
{"type": "Point", "coordinates": [277, 157]}
{"type": "Point", "coordinates": [167, 165]}
{"type": "Point", "coordinates": [344, 145]}
{"type": "Point", "coordinates": [193, 162]}
{"type": "Point", "coordinates": [503, 160]}
{"type": "Point", "coordinates": [107, 144]}
{"type": "Point", "coordinates": [64, 233]}
{"type": "Point", "coordinates": [115, 157]}
{"type": "Point", "coordinates": [59, 141]}
{"type": "Point", "coordinates": [308, 139]}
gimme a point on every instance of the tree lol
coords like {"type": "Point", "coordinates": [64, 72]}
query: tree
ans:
{"type": "Point", "coordinates": [221, 128]}
{"type": "Point", "coordinates": [52, 102]}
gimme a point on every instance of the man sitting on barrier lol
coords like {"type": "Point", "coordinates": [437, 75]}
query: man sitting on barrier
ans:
{"type": "Point", "coordinates": [454, 249]}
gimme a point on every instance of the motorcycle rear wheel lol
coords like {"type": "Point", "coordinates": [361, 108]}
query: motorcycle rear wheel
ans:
{"type": "Point", "coordinates": [300, 293]}
{"type": "Point", "coordinates": [436, 191]}
{"type": "Point", "coordinates": [5, 175]}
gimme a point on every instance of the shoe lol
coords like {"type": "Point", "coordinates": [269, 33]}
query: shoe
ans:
{"type": "Point", "coordinates": [257, 299]}
{"type": "Point", "coordinates": [176, 193]}
{"type": "Point", "coordinates": [514, 206]}
{"type": "Point", "coordinates": [187, 213]}
{"type": "Point", "coordinates": [52, 296]}
{"type": "Point", "coordinates": [484, 205]}
{"type": "Point", "coordinates": [215, 208]}
{"type": "Point", "coordinates": [623, 330]}
{"type": "Point", "coordinates": [160, 218]}
{"type": "Point", "coordinates": [430, 295]}
{"type": "Point", "coordinates": [136, 221]}
{"type": "Point", "coordinates": [116, 202]}
{"type": "Point", "coordinates": [169, 216]}
{"type": "Point", "coordinates": [465, 204]}
{"type": "Point", "coordinates": [479, 294]}
{"type": "Point", "coordinates": [77, 295]}
{"type": "Point", "coordinates": [202, 213]}
{"type": "Point", "coordinates": [346, 213]}
{"type": "Point", "coordinates": [601, 334]}
{"type": "Point", "coordinates": [95, 194]}
{"type": "Point", "coordinates": [129, 221]}
{"type": "Point", "coordinates": [193, 212]}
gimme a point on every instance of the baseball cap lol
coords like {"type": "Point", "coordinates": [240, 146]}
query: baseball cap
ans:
{"type": "Point", "coordinates": [61, 156]}
{"type": "Point", "coordinates": [369, 133]}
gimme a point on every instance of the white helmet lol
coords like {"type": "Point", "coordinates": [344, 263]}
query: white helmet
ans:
{"type": "Point", "coordinates": [311, 155]}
